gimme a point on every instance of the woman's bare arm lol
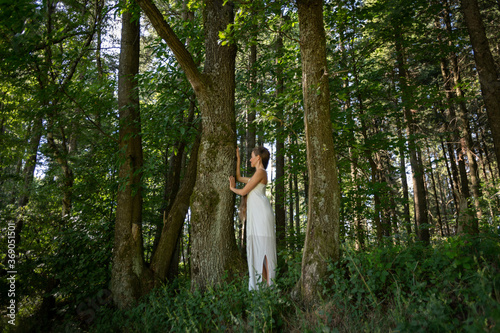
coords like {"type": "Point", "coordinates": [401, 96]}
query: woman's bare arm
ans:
{"type": "Point", "coordinates": [260, 176]}
{"type": "Point", "coordinates": [238, 168]}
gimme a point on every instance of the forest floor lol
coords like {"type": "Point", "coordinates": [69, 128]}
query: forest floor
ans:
{"type": "Point", "coordinates": [450, 286]}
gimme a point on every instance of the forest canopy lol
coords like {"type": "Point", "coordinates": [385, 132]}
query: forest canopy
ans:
{"type": "Point", "coordinates": [119, 122]}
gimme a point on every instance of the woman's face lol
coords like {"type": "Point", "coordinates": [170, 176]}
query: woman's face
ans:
{"type": "Point", "coordinates": [254, 159]}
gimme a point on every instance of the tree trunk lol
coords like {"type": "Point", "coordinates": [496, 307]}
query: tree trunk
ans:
{"type": "Point", "coordinates": [488, 73]}
{"type": "Point", "coordinates": [456, 135]}
{"type": "Point", "coordinates": [213, 243]}
{"type": "Point", "coordinates": [356, 226]}
{"type": "Point", "coordinates": [214, 249]}
{"type": "Point", "coordinates": [279, 208]}
{"type": "Point", "coordinates": [173, 223]}
{"type": "Point", "coordinates": [404, 182]}
{"type": "Point", "coordinates": [452, 170]}
{"type": "Point", "coordinates": [433, 184]}
{"type": "Point", "coordinates": [297, 204]}
{"type": "Point", "coordinates": [99, 5]}
{"type": "Point", "coordinates": [251, 133]}
{"type": "Point", "coordinates": [443, 199]}
{"type": "Point", "coordinates": [61, 153]}
{"type": "Point", "coordinates": [373, 166]}
{"type": "Point", "coordinates": [463, 125]}
{"type": "Point", "coordinates": [129, 277]}
{"type": "Point", "coordinates": [322, 235]}
{"type": "Point", "coordinates": [419, 195]}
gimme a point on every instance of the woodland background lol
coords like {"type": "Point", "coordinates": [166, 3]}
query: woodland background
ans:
{"type": "Point", "coordinates": [119, 123]}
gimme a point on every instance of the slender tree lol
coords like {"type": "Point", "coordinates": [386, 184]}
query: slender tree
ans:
{"type": "Point", "coordinates": [172, 225]}
{"type": "Point", "coordinates": [420, 198]}
{"type": "Point", "coordinates": [280, 196]}
{"type": "Point", "coordinates": [129, 279]}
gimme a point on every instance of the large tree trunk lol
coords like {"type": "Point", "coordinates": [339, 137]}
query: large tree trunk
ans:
{"type": "Point", "coordinates": [488, 73]}
{"type": "Point", "coordinates": [130, 279]}
{"type": "Point", "coordinates": [322, 235]}
{"type": "Point", "coordinates": [214, 249]}
{"type": "Point", "coordinates": [213, 244]}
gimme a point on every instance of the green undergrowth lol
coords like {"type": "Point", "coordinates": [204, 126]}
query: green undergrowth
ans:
{"type": "Point", "coordinates": [452, 286]}
{"type": "Point", "coordinates": [227, 307]}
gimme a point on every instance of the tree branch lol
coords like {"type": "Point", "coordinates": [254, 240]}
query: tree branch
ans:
{"type": "Point", "coordinates": [182, 55]}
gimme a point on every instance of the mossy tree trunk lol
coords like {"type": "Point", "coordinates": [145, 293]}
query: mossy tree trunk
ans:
{"type": "Point", "coordinates": [322, 235]}
{"type": "Point", "coordinates": [213, 248]}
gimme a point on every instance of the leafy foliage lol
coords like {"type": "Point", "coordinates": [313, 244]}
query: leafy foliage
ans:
{"type": "Point", "coordinates": [452, 286]}
{"type": "Point", "coordinates": [226, 307]}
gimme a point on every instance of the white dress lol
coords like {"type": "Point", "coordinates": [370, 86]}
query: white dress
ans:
{"type": "Point", "coordinates": [261, 236]}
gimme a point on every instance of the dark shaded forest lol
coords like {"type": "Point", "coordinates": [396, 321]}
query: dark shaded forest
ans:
{"type": "Point", "coordinates": [119, 122]}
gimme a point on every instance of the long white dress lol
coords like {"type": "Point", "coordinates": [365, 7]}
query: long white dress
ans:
{"type": "Point", "coordinates": [261, 236]}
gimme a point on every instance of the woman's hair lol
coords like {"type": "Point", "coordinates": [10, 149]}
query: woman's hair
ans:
{"type": "Point", "coordinates": [263, 153]}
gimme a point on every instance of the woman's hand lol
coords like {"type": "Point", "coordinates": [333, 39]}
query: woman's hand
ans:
{"type": "Point", "coordinates": [232, 182]}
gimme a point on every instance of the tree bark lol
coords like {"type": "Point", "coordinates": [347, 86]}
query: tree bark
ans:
{"type": "Point", "coordinates": [130, 279]}
{"type": "Point", "coordinates": [213, 243]}
{"type": "Point", "coordinates": [322, 235]}
{"type": "Point", "coordinates": [488, 73]}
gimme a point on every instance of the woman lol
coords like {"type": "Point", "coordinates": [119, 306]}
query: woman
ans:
{"type": "Point", "coordinates": [261, 238]}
